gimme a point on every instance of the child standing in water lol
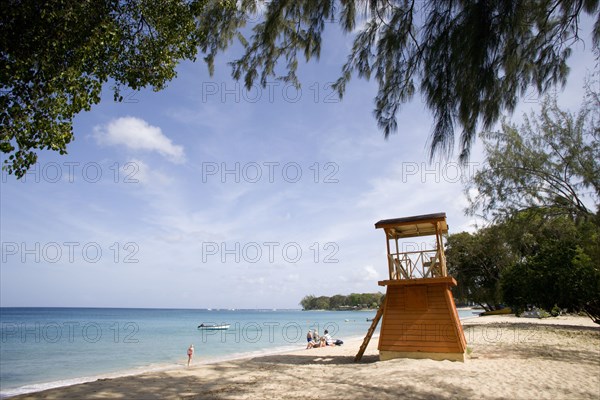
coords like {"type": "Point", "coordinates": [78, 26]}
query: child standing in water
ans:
{"type": "Point", "coordinates": [190, 353]}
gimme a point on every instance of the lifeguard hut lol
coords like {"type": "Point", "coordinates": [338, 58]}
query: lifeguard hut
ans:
{"type": "Point", "coordinates": [419, 317]}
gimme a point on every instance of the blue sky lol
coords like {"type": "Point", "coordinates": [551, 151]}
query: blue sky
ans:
{"type": "Point", "coordinates": [205, 195]}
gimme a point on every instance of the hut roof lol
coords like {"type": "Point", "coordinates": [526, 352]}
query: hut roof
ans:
{"type": "Point", "coordinates": [418, 225]}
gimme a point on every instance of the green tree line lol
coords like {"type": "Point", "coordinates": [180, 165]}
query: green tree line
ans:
{"type": "Point", "coordinates": [540, 188]}
{"type": "Point", "coordinates": [341, 302]}
{"type": "Point", "coordinates": [528, 261]}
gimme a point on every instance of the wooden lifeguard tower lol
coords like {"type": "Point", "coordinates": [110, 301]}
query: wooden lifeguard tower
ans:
{"type": "Point", "coordinates": [419, 315]}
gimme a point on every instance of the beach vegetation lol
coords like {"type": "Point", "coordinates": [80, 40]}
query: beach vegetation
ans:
{"type": "Point", "coordinates": [558, 274]}
{"type": "Point", "coordinates": [550, 164]}
{"type": "Point", "coordinates": [556, 311]}
{"type": "Point", "coordinates": [528, 261]}
{"type": "Point", "coordinates": [476, 261]}
{"type": "Point", "coordinates": [469, 61]}
{"type": "Point", "coordinates": [540, 188]}
{"type": "Point", "coordinates": [353, 301]}
{"type": "Point", "coordinates": [57, 55]}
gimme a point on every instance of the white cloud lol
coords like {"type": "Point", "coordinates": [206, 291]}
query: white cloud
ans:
{"type": "Point", "coordinates": [137, 134]}
{"type": "Point", "coordinates": [138, 171]}
{"type": "Point", "coordinates": [370, 274]}
{"type": "Point", "coordinates": [367, 273]}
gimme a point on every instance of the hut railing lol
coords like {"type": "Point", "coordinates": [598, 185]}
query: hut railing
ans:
{"type": "Point", "coordinates": [417, 264]}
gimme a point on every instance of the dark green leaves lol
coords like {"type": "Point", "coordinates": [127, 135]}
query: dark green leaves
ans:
{"type": "Point", "coordinates": [55, 57]}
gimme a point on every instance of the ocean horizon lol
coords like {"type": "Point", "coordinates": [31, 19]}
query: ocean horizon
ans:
{"type": "Point", "coordinates": [47, 347]}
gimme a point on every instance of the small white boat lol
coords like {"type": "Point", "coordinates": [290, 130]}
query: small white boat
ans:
{"type": "Point", "coordinates": [213, 327]}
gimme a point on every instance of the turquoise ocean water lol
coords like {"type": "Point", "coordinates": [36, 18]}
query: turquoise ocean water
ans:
{"type": "Point", "coordinates": [49, 347]}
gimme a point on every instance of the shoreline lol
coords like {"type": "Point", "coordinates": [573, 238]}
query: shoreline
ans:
{"type": "Point", "coordinates": [35, 388]}
{"type": "Point", "coordinates": [45, 348]}
{"type": "Point", "coordinates": [524, 355]}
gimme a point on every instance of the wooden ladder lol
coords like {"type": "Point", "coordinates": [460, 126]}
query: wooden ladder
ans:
{"type": "Point", "coordinates": [371, 330]}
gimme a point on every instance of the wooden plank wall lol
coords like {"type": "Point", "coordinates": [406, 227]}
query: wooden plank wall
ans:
{"type": "Point", "coordinates": [421, 318]}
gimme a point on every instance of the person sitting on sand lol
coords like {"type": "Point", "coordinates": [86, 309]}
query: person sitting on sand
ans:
{"type": "Point", "coordinates": [331, 341]}
{"type": "Point", "coordinates": [309, 339]}
{"type": "Point", "coordinates": [315, 342]}
{"type": "Point", "coordinates": [190, 353]}
{"type": "Point", "coordinates": [328, 339]}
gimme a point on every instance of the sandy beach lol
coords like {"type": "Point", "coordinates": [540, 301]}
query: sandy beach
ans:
{"type": "Point", "coordinates": [508, 358]}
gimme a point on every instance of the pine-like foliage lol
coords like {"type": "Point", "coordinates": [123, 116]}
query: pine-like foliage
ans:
{"type": "Point", "coordinates": [470, 60]}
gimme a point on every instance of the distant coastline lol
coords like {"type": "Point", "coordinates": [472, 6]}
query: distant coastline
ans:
{"type": "Point", "coordinates": [340, 302]}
